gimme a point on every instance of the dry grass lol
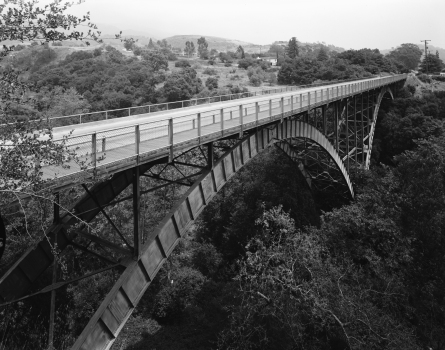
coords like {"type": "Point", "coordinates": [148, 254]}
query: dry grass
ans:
{"type": "Point", "coordinates": [226, 75]}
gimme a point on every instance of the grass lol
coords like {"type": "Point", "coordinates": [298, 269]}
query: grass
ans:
{"type": "Point", "coordinates": [226, 75]}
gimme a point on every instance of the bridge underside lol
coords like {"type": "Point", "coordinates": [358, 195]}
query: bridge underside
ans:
{"type": "Point", "coordinates": [328, 141]}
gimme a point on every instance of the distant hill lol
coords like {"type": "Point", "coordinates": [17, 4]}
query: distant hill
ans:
{"type": "Point", "coordinates": [219, 44]}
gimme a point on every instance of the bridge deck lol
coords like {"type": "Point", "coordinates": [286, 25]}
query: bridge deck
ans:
{"type": "Point", "coordinates": [124, 142]}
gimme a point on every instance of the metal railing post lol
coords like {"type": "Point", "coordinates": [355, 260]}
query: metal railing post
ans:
{"type": "Point", "coordinates": [282, 109]}
{"type": "Point", "coordinates": [104, 143]}
{"type": "Point", "coordinates": [80, 118]}
{"type": "Point", "coordinates": [199, 127]}
{"type": "Point", "coordinates": [170, 137]}
{"type": "Point", "coordinates": [106, 115]}
{"type": "Point", "coordinates": [301, 102]}
{"type": "Point", "coordinates": [137, 141]}
{"type": "Point", "coordinates": [129, 112]}
{"type": "Point", "coordinates": [222, 120]}
{"type": "Point", "coordinates": [292, 104]}
{"type": "Point", "coordinates": [257, 107]}
{"type": "Point", "coordinates": [308, 101]}
{"type": "Point", "coordinates": [270, 108]}
{"type": "Point", "coordinates": [241, 120]}
{"type": "Point", "coordinates": [93, 148]}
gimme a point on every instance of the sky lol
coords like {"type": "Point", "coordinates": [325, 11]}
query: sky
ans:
{"type": "Point", "coordinates": [351, 24]}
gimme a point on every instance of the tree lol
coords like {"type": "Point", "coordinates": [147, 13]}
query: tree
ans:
{"type": "Point", "coordinates": [211, 83]}
{"type": "Point", "coordinates": [203, 52]}
{"type": "Point", "coordinates": [25, 154]}
{"type": "Point", "coordinates": [128, 45]}
{"type": "Point", "coordinates": [322, 54]}
{"type": "Point", "coordinates": [156, 60]}
{"type": "Point", "coordinates": [182, 85]}
{"type": "Point", "coordinates": [240, 51]}
{"type": "Point", "coordinates": [189, 48]}
{"type": "Point", "coordinates": [292, 49]}
{"type": "Point", "coordinates": [150, 45]}
{"type": "Point", "coordinates": [431, 64]}
{"type": "Point", "coordinates": [407, 54]}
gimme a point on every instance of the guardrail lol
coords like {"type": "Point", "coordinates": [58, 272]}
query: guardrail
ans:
{"type": "Point", "coordinates": [81, 118]}
{"type": "Point", "coordinates": [117, 144]}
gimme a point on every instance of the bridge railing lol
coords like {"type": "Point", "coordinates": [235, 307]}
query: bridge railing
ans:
{"type": "Point", "coordinates": [82, 118]}
{"type": "Point", "coordinates": [118, 144]}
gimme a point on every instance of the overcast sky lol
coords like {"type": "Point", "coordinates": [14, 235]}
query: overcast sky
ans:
{"type": "Point", "coordinates": [346, 23]}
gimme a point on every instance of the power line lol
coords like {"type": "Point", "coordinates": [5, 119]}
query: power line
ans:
{"type": "Point", "coordinates": [426, 53]}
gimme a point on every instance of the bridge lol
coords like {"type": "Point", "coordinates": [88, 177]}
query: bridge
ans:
{"type": "Point", "coordinates": [328, 130]}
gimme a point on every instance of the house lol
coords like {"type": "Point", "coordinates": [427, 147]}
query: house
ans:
{"type": "Point", "coordinates": [442, 74]}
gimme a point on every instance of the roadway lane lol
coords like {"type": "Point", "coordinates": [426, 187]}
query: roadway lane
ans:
{"type": "Point", "coordinates": [205, 110]}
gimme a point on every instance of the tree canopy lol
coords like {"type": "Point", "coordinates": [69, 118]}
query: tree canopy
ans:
{"type": "Point", "coordinates": [408, 54]}
{"type": "Point", "coordinates": [432, 64]}
{"type": "Point", "coordinates": [292, 49]}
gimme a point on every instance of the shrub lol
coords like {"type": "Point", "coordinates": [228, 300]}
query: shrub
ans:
{"type": "Point", "coordinates": [97, 52]}
{"type": "Point", "coordinates": [137, 51]}
{"type": "Point", "coordinates": [57, 43]}
{"type": "Point", "coordinates": [171, 302]}
{"type": "Point", "coordinates": [228, 64]}
{"type": "Point", "coordinates": [255, 80]}
{"type": "Point", "coordinates": [211, 83]}
{"type": "Point", "coordinates": [246, 63]}
{"type": "Point", "coordinates": [19, 47]}
{"type": "Point", "coordinates": [211, 62]}
{"type": "Point", "coordinates": [171, 56]}
{"type": "Point", "coordinates": [210, 71]}
{"type": "Point", "coordinates": [424, 78]}
{"type": "Point", "coordinates": [182, 64]}
{"type": "Point", "coordinates": [439, 77]}
{"type": "Point", "coordinates": [411, 89]}
{"type": "Point", "coordinates": [207, 259]}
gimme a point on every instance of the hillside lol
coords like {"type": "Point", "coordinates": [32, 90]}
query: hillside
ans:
{"type": "Point", "coordinates": [219, 44]}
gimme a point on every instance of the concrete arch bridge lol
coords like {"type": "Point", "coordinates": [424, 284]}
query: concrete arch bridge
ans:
{"type": "Point", "coordinates": [327, 129]}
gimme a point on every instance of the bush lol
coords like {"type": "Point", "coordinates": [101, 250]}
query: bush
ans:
{"type": "Point", "coordinates": [171, 56]}
{"type": "Point", "coordinates": [58, 43]}
{"type": "Point", "coordinates": [171, 302]}
{"type": "Point", "coordinates": [210, 71]}
{"type": "Point", "coordinates": [19, 47]}
{"type": "Point", "coordinates": [255, 80]}
{"type": "Point", "coordinates": [246, 63]}
{"type": "Point", "coordinates": [211, 83]}
{"type": "Point", "coordinates": [411, 89]}
{"type": "Point", "coordinates": [424, 78]}
{"type": "Point", "coordinates": [211, 62]}
{"type": "Point", "coordinates": [439, 77]}
{"type": "Point", "coordinates": [97, 52]}
{"type": "Point", "coordinates": [207, 259]}
{"type": "Point", "coordinates": [228, 64]}
{"type": "Point", "coordinates": [137, 51]}
{"type": "Point", "coordinates": [182, 64]}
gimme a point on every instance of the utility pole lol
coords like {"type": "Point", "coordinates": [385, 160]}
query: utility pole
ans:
{"type": "Point", "coordinates": [426, 53]}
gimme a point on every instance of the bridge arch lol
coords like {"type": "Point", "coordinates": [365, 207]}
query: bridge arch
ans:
{"type": "Point", "coordinates": [385, 90]}
{"type": "Point", "coordinates": [118, 305]}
